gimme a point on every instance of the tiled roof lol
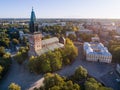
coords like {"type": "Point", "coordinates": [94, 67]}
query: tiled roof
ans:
{"type": "Point", "coordinates": [49, 41]}
{"type": "Point", "coordinates": [51, 47]}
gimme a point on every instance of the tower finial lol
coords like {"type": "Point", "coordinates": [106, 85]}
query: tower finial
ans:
{"type": "Point", "coordinates": [32, 8]}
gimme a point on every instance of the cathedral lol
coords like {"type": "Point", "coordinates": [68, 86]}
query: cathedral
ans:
{"type": "Point", "coordinates": [37, 46]}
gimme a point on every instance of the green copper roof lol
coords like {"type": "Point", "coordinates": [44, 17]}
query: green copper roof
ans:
{"type": "Point", "coordinates": [33, 17]}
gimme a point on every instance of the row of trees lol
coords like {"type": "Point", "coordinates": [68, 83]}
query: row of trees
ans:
{"type": "Point", "coordinates": [4, 38]}
{"type": "Point", "coordinates": [15, 25]}
{"type": "Point", "coordinates": [58, 29]}
{"type": "Point", "coordinates": [2, 51]}
{"type": "Point", "coordinates": [114, 48]}
{"type": "Point", "coordinates": [85, 37]}
{"type": "Point", "coordinates": [48, 62]}
{"type": "Point", "coordinates": [92, 84]}
{"type": "Point", "coordinates": [56, 82]}
{"type": "Point", "coordinates": [5, 62]}
{"type": "Point", "coordinates": [53, 60]}
{"type": "Point", "coordinates": [1, 69]}
{"type": "Point", "coordinates": [21, 55]}
{"type": "Point", "coordinates": [87, 83]}
{"type": "Point", "coordinates": [10, 36]}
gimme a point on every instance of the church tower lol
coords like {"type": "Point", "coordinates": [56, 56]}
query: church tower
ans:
{"type": "Point", "coordinates": [35, 37]}
{"type": "Point", "coordinates": [33, 25]}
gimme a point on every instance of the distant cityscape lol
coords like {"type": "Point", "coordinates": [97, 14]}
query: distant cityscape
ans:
{"type": "Point", "coordinates": [59, 54]}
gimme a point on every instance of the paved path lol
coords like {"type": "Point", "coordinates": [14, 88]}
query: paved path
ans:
{"type": "Point", "coordinates": [20, 75]}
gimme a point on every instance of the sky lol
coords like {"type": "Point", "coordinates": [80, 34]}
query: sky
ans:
{"type": "Point", "coordinates": [60, 8]}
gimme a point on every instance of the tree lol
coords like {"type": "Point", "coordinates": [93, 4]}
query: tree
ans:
{"type": "Point", "coordinates": [15, 41]}
{"type": "Point", "coordinates": [45, 63]}
{"type": "Point", "coordinates": [21, 55]}
{"type": "Point", "coordinates": [116, 54]}
{"type": "Point", "coordinates": [5, 62]}
{"type": "Point", "coordinates": [70, 86]}
{"type": "Point", "coordinates": [55, 88]}
{"type": "Point", "coordinates": [52, 80]}
{"type": "Point", "coordinates": [85, 37]}
{"type": "Point", "coordinates": [56, 82]}
{"type": "Point", "coordinates": [75, 28]}
{"type": "Point", "coordinates": [23, 41]}
{"type": "Point", "coordinates": [105, 88]}
{"type": "Point", "coordinates": [2, 51]}
{"type": "Point", "coordinates": [31, 63]}
{"type": "Point", "coordinates": [92, 84]}
{"type": "Point", "coordinates": [72, 37]}
{"type": "Point", "coordinates": [70, 51]}
{"type": "Point", "coordinates": [18, 57]}
{"type": "Point", "coordinates": [80, 73]}
{"type": "Point", "coordinates": [114, 48]}
{"type": "Point", "coordinates": [1, 69]}
{"type": "Point", "coordinates": [55, 59]}
{"type": "Point", "coordinates": [14, 86]}
{"type": "Point", "coordinates": [7, 56]}
{"type": "Point", "coordinates": [5, 42]}
{"type": "Point", "coordinates": [26, 30]}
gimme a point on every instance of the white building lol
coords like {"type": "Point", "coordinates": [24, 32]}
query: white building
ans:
{"type": "Point", "coordinates": [97, 52]}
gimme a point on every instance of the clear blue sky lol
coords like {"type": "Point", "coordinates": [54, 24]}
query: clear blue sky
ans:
{"type": "Point", "coordinates": [60, 8]}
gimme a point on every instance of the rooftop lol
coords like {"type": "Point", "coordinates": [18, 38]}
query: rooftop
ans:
{"type": "Point", "coordinates": [96, 48]}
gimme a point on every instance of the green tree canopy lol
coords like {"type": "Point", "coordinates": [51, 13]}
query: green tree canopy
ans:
{"type": "Point", "coordinates": [14, 86]}
{"type": "Point", "coordinates": [2, 51]}
{"type": "Point", "coordinates": [1, 69]}
{"type": "Point", "coordinates": [114, 48]}
{"type": "Point", "coordinates": [15, 41]}
{"type": "Point", "coordinates": [80, 73]}
{"type": "Point", "coordinates": [52, 80]}
{"type": "Point", "coordinates": [56, 82]}
{"type": "Point", "coordinates": [92, 84]}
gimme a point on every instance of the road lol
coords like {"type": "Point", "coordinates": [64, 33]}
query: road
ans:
{"type": "Point", "coordinates": [21, 75]}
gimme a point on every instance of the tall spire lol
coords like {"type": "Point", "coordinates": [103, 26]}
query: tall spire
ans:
{"type": "Point", "coordinates": [33, 26]}
{"type": "Point", "coordinates": [32, 9]}
{"type": "Point", "coordinates": [33, 17]}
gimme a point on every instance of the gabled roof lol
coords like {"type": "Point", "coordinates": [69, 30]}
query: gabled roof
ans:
{"type": "Point", "coordinates": [51, 47]}
{"type": "Point", "coordinates": [49, 41]}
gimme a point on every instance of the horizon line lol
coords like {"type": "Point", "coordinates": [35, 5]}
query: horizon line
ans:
{"type": "Point", "coordinates": [55, 18]}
